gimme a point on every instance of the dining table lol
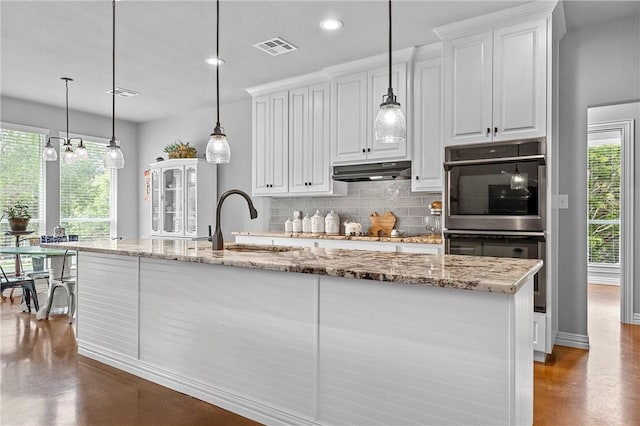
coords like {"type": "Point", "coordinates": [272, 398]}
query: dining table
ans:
{"type": "Point", "coordinates": [55, 256]}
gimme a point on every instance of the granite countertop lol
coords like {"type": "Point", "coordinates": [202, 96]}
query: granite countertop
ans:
{"type": "Point", "coordinates": [417, 239]}
{"type": "Point", "coordinates": [490, 274]}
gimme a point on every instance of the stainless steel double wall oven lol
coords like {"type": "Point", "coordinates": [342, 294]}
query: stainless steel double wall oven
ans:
{"type": "Point", "coordinates": [495, 202]}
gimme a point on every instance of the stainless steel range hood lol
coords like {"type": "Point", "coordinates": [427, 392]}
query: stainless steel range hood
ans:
{"type": "Point", "coordinates": [373, 171]}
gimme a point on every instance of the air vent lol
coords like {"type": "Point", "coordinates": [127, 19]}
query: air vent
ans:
{"type": "Point", "coordinates": [124, 93]}
{"type": "Point", "coordinates": [275, 46]}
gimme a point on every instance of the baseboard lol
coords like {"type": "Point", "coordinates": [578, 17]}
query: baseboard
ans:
{"type": "Point", "coordinates": [636, 319]}
{"type": "Point", "coordinates": [238, 404]}
{"type": "Point", "coordinates": [539, 356]}
{"type": "Point", "coordinates": [571, 340]}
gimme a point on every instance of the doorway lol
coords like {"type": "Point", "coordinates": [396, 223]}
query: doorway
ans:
{"type": "Point", "coordinates": [610, 205]}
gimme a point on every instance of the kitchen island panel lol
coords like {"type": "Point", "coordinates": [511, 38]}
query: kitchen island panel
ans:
{"type": "Point", "coordinates": [107, 302]}
{"type": "Point", "coordinates": [457, 361]}
{"type": "Point", "coordinates": [252, 333]}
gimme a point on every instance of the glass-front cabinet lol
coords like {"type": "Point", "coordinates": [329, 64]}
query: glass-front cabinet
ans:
{"type": "Point", "coordinates": [183, 197]}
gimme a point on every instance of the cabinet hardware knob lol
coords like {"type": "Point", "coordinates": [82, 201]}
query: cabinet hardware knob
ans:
{"type": "Point", "coordinates": [417, 177]}
{"type": "Point", "coordinates": [363, 150]}
{"type": "Point", "coordinates": [495, 131]}
{"type": "Point", "coordinates": [309, 183]}
{"type": "Point", "coordinates": [368, 149]}
{"type": "Point", "coordinates": [488, 131]}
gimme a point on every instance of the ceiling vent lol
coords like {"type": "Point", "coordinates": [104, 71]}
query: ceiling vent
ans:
{"type": "Point", "coordinates": [124, 93]}
{"type": "Point", "coordinates": [275, 46]}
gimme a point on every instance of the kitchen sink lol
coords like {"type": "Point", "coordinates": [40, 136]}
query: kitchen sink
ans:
{"type": "Point", "coordinates": [258, 248]}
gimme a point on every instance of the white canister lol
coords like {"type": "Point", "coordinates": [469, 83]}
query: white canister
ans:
{"type": "Point", "coordinates": [297, 225]}
{"type": "Point", "coordinates": [332, 223]}
{"type": "Point", "coordinates": [306, 224]}
{"type": "Point", "coordinates": [288, 226]}
{"type": "Point", "coordinates": [317, 223]}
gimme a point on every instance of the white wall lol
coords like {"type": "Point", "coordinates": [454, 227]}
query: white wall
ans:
{"type": "Point", "coordinates": [18, 111]}
{"type": "Point", "coordinates": [195, 127]}
{"type": "Point", "coordinates": [599, 64]}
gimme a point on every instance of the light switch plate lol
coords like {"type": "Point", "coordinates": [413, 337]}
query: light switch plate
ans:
{"type": "Point", "coordinates": [563, 201]}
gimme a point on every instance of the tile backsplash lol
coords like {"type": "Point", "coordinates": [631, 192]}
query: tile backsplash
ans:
{"type": "Point", "coordinates": [362, 199]}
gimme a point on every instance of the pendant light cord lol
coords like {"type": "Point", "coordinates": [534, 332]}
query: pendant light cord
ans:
{"type": "Point", "coordinates": [66, 83]}
{"type": "Point", "coordinates": [390, 88]}
{"type": "Point", "coordinates": [113, 75]}
{"type": "Point", "coordinates": [218, 63]}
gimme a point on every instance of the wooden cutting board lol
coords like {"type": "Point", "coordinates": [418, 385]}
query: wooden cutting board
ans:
{"type": "Point", "coordinates": [381, 226]}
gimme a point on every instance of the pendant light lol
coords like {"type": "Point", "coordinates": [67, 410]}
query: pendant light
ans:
{"type": "Point", "coordinates": [218, 150]}
{"type": "Point", "coordinates": [69, 155]}
{"type": "Point", "coordinates": [390, 125]}
{"type": "Point", "coordinates": [113, 158]}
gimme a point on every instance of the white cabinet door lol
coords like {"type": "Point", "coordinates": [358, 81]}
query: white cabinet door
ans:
{"type": "Point", "coordinates": [468, 89]}
{"type": "Point", "coordinates": [349, 117]}
{"type": "Point", "coordinates": [298, 139]}
{"type": "Point", "coordinates": [173, 197]}
{"type": "Point", "coordinates": [270, 144]}
{"type": "Point", "coordinates": [427, 109]}
{"type": "Point", "coordinates": [378, 85]}
{"type": "Point", "coordinates": [319, 148]}
{"type": "Point", "coordinates": [519, 81]}
{"type": "Point", "coordinates": [280, 142]}
{"type": "Point", "coordinates": [260, 155]}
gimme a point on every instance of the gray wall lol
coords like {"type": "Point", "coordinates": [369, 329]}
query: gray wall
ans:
{"type": "Point", "coordinates": [18, 111]}
{"type": "Point", "coordinates": [599, 64]}
{"type": "Point", "coordinates": [363, 198]}
{"type": "Point", "coordinates": [195, 127]}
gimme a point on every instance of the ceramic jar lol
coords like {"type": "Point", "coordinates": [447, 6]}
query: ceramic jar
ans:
{"type": "Point", "coordinates": [332, 223]}
{"type": "Point", "coordinates": [317, 223]}
{"type": "Point", "coordinates": [297, 224]}
{"type": "Point", "coordinates": [288, 226]}
{"type": "Point", "coordinates": [306, 224]}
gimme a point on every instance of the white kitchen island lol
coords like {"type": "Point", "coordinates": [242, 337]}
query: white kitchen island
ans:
{"type": "Point", "coordinates": [315, 336]}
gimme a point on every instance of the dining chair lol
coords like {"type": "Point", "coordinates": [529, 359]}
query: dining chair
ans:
{"type": "Point", "coordinates": [26, 283]}
{"type": "Point", "coordinates": [68, 283]}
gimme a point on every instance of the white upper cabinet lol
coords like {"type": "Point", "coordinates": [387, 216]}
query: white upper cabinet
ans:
{"type": "Point", "coordinates": [356, 100]}
{"type": "Point", "coordinates": [270, 141]}
{"type": "Point", "coordinates": [178, 190]}
{"type": "Point", "coordinates": [427, 124]}
{"type": "Point", "coordinates": [496, 84]}
{"type": "Point", "coordinates": [309, 149]}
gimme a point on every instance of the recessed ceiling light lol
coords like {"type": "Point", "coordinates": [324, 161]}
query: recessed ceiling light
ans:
{"type": "Point", "coordinates": [214, 61]}
{"type": "Point", "coordinates": [331, 24]}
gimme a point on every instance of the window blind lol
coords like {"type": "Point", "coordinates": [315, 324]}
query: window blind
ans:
{"type": "Point", "coordinates": [88, 194]}
{"type": "Point", "coordinates": [604, 168]}
{"type": "Point", "coordinates": [22, 176]}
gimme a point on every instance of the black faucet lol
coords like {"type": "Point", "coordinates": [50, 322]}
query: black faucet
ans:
{"type": "Point", "coordinates": [217, 241]}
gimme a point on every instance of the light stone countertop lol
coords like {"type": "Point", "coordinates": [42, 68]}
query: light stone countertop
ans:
{"type": "Point", "coordinates": [490, 274]}
{"type": "Point", "coordinates": [416, 239]}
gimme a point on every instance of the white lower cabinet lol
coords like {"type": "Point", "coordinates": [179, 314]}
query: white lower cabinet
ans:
{"type": "Point", "coordinates": [539, 332]}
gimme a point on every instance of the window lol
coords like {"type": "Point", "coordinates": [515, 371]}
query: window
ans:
{"type": "Point", "coordinates": [604, 197]}
{"type": "Point", "coordinates": [88, 195]}
{"type": "Point", "coordinates": [22, 175]}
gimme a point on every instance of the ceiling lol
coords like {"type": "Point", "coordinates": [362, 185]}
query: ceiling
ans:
{"type": "Point", "coordinates": [161, 45]}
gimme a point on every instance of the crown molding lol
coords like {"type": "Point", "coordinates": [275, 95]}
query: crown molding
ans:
{"type": "Point", "coordinates": [372, 62]}
{"type": "Point", "coordinates": [288, 83]}
{"type": "Point", "coordinates": [513, 15]}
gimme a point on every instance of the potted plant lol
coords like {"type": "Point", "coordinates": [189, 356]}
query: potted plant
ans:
{"type": "Point", "coordinates": [18, 216]}
{"type": "Point", "coordinates": [180, 149]}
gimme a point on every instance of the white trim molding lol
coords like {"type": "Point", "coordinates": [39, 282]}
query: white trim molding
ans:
{"type": "Point", "coordinates": [579, 341]}
{"type": "Point", "coordinates": [636, 319]}
{"type": "Point", "coordinates": [603, 274]}
{"type": "Point", "coordinates": [627, 221]}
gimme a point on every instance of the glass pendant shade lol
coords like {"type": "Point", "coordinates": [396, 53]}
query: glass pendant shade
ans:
{"type": "Point", "coordinates": [80, 152]}
{"type": "Point", "coordinates": [390, 126]}
{"type": "Point", "coordinates": [113, 157]}
{"type": "Point", "coordinates": [218, 150]}
{"type": "Point", "coordinates": [49, 153]}
{"type": "Point", "coordinates": [68, 156]}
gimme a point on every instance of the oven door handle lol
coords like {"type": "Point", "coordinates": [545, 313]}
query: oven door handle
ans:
{"type": "Point", "coordinates": [528, 234]}
{"type": "Point", "coordinates": [539, 158]}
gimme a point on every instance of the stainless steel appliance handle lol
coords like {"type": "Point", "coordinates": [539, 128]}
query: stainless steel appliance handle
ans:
{"type": "Point", "coordinates": [540, 158]}
{"type": "Point", "coordinates": [496, 233]}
